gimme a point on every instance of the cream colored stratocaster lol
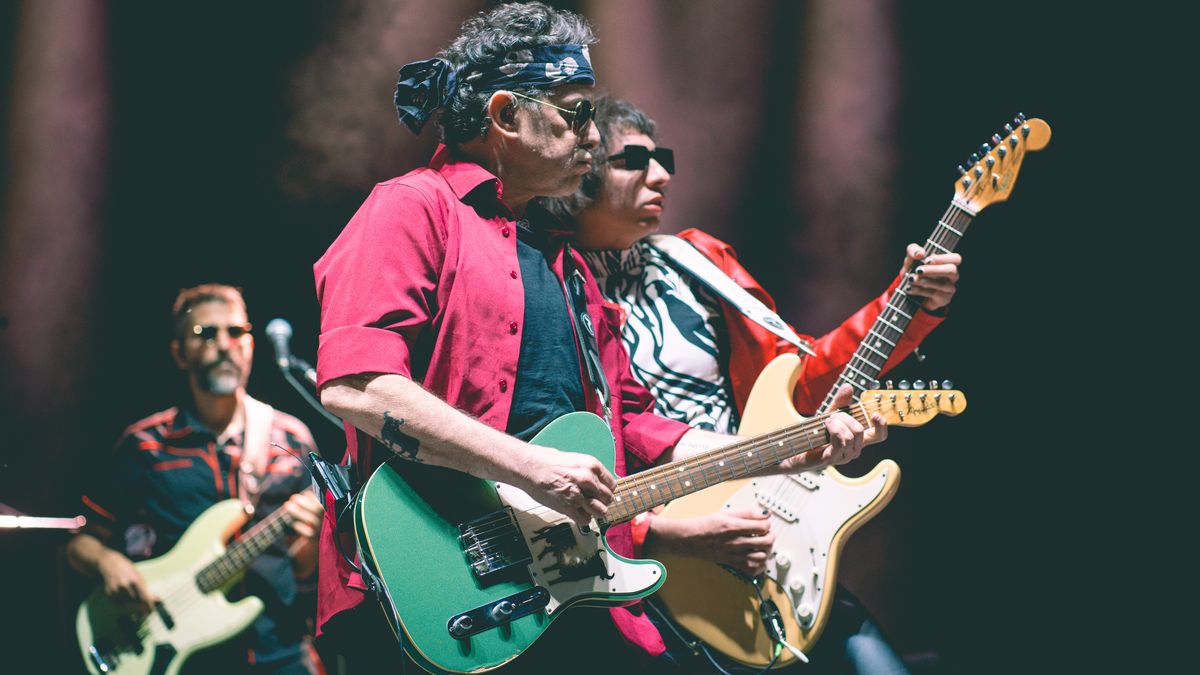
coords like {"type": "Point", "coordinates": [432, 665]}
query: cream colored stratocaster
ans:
{"type": "Point", "coordinates": [190, 581]}
{"type": "Point", "coordinates": [814, 513]}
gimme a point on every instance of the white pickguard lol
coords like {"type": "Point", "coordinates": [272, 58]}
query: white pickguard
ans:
{"type": "Point", "coordinates": [199, 619]}
{"type": "Point", "coordinates": [806, 511]}
{"type": "Point", "coordinates": [628, 578]}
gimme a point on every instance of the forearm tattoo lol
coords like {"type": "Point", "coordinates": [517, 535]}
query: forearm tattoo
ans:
{"type": "Point", "coordinates": [401, 443]}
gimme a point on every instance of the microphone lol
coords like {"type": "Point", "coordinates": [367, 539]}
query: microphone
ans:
{"type": "Point", "coordinates": [280, 331]}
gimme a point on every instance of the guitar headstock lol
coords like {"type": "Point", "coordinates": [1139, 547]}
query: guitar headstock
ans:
{"type": "Point", "coordinates": [913, 407]}
{"type": "Point", "coordinates": [993, 171]}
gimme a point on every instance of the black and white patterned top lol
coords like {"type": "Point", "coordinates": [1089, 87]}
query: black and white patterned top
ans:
{"type": "Point", "coordinates": [674, 332]}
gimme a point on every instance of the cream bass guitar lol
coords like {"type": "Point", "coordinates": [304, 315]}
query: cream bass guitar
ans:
{"type": "Point", "coordinates": [190, 581]}
{"type": "Point", "coordinates": [814, 513]}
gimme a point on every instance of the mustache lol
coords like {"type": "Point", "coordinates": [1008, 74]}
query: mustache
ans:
{"type": "Point", "coordinates": [224, 360]}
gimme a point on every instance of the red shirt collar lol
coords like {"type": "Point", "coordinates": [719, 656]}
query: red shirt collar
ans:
{"type": "Point", "coordinates": [463, 176]}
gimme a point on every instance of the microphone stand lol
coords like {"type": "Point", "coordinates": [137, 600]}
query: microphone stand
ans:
{"type": "Point", "coordinates": [310, 376]}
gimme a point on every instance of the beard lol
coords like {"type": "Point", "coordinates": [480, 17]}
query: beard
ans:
{"type": "Point", "coordinates": [220, 378]}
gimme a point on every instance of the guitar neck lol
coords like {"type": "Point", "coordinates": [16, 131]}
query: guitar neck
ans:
{"type": "Point", "coordinates": [657, 486]}
{"type": "Point", "coordinates": [863, 369]}
{"type": "Point", "coordinates": [239, 556]}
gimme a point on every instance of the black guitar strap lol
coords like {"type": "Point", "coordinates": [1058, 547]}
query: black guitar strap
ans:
{"type": "Point", "coordinates": [585, 333]}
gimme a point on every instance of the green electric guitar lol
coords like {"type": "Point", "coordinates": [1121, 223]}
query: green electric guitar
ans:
{"type": "Point", "coordinates": [472, 572]}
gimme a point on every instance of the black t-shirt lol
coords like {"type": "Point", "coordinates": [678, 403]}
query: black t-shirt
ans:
{"type": "Point", "coordinates": [549, 380]}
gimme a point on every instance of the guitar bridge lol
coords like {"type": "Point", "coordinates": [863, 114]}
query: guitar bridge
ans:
{"type": "Point", "coordinates": [494, 546]}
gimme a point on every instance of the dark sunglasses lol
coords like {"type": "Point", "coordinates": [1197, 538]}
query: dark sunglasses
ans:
{"type": "Point", "coordinates": [209, 333]}
{"type": "Point", "coordinates": [637, 157]}
{"type": "Point", "coordinates": [580, 116]}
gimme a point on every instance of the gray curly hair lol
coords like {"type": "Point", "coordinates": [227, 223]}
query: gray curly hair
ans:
{"type": "Point", "coordinates": [485, 40]}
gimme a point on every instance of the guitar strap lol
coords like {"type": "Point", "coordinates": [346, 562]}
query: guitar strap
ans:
{"type": "Point", "coordinates": [696, 264]}
{"type": "Point", "coordinates": [585, 333]}
{"type": "Point", "coordinates": [255, 451]}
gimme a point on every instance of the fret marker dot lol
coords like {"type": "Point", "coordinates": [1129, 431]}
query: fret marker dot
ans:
{"type": "Point", "coordinates": [635, 493]}
{"type": "Point", "coordinates": [721, 463]}
{"type": "Point", "coordinates": [687, 483]}
{"type": "Point", "coordinates": [750, 454]}
{"type": "Point", "coordinates": [780, 444]}
{"type": "Point", "coordinates": [653, 487]}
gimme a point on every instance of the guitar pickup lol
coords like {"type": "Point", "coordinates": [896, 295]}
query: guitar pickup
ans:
{"type": "Point", "coordinates": [494, 546]}
{"type": "Point", "coordinates": [498, 613]}
{"type": "Point", "coordinates": [777, 506]}
{"type": "Point", "coordinates": [808, 479]}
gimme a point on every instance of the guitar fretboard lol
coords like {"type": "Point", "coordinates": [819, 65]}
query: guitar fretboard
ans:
{"type": "Point", "coordinates": [239, 556]}
{"type": "Point", "coordinates": [863, 369]}
{"type": "Point", "coordinates": [653, 487]}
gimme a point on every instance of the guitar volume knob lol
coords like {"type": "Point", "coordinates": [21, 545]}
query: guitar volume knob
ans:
{"type": "Point", "coordinates": [502, 610]}
{"type": "Point", "coordinates": [783, 560]}
{"type": "Point", "coordinates": [805, 612]}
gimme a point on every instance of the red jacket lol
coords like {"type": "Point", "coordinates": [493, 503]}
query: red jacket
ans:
{"type": "Point", "coordinates": [752, 347]}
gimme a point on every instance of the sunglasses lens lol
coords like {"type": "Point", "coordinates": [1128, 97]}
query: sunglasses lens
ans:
{"type": "Point", "coordinates": [209, 333]}
{"type": "Point", "coordinates": [666, 157]}
{"type": "Point", "coordinates": [583, 114]}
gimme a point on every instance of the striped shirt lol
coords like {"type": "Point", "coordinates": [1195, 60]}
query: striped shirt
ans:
{"type": "Point", "coordinates": [674, 332]}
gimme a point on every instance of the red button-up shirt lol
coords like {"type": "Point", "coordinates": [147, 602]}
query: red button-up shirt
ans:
{"type": "Point", "coordinates": [424, 282]}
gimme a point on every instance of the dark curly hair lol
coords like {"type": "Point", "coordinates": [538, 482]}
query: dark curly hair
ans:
{"type": "Point", "coordinates": [613, 115]}
{"type": "Point", "coordinates": [485, 40]}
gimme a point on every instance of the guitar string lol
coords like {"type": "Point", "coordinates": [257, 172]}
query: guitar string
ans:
{"type": "Point", "coordinates": [704, 464]}
{"type": "Point", "coordinates": [946, 235]}
{"type": "Point", "coordinates": [954, 216]}
{"type": "Point", "coordinates": [221, 564]}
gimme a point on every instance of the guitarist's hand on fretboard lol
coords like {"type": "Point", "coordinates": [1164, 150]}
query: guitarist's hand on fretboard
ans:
{"type": "Point", "coordinates": [935, 278]}
{"type": "Point", "coordinates": [847, 436]}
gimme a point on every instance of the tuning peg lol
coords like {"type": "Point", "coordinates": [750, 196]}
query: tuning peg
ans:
{"type": "Point", "coordinates": [985, 149]}
{"type": "Point", "coordinates": [978, 172]}
{"type": "Point", "coordinates": [888, 385]}
{"type": "Point", "coordinates": [947, 384]}
{"type": "Point", "coordinates": [961, 170]}
{"type": "Point", "coordinates": [875, 384]}
{"type": "Point", "coordinates": [966, 182]}
{"type": "Point", "coordinates": [1008, 128]}
{"type": "Point", "coordinates": [905, 385]}
{"type": "Point", "coordinates": [933, 384]}
{"type": "Point", "coordinates": [1020, 118]}
{"type": "Point", "coordinates": [996, 139]}
{"type": "Point", "coordinates": [918, 384]}
{"type": "Point", "coordinates": [974, 158]}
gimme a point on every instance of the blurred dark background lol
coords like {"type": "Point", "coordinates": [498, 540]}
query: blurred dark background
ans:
{"type": "Point", "coordinates": [149, 147]}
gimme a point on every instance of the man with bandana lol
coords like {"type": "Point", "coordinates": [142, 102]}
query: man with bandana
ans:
{"type": "Point", "coordinates": [700, 356]}
{"type": "Point", "coordinates": [218, 444]}
{"type": "Point", "coordinates": [446, 336]}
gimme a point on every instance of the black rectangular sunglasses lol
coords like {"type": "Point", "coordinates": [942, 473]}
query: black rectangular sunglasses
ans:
{"type": "Point", "coordinates": [637, 157]}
